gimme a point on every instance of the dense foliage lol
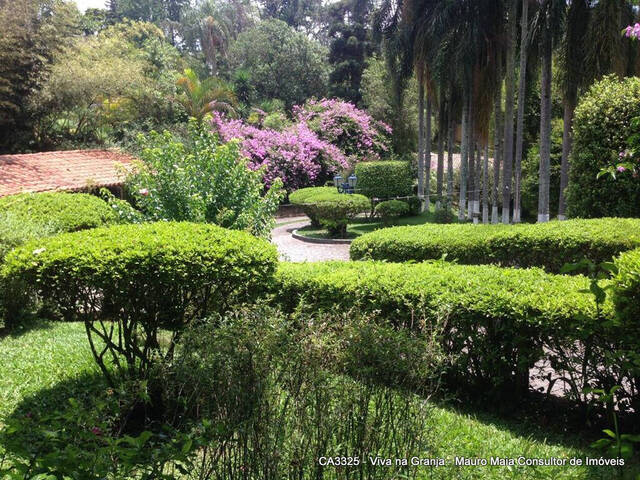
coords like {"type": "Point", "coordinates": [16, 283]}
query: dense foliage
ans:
{"type": "Point", "coordinates": [201, 180]}
{"type": "Point", "coordinates": [602, 127]}
{"type": "Point", "coordinates": [143, 277]}
{"type": "Point", "coordinates": [391, 209]}
{"type": "Point", "coordinates": [62, 212]}
{"type": "Point", "coordinates": [296, 155]}
{"type": "Point", "coordinates": [384, 180]}
{"type": "Point", "coordinates": [549, 245]}
{"type": "Point", "coordinates": [281, 62]}
{"type": "Point", "coordinates": [494, 321]}
{"type": "Point", "coordinates": [330, 209]}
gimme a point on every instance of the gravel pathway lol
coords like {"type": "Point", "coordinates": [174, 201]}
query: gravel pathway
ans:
{"type": "Point", "coordinates": [293, 250]}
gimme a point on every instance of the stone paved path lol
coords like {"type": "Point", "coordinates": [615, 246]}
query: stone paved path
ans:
{"type": "Point", "coordinates": [293, 250]}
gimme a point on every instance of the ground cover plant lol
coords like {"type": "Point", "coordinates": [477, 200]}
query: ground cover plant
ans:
{"type": "Point", "coordinates": [549, 246]}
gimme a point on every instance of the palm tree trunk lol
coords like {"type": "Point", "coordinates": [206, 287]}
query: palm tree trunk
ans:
{"type": "Point", "coordinates": [545, 121]}
{"type": "Point", "coordinates": [450, 146]}
{"type": "Point", "coordinates": [427, 158]}
{"type": "Point", "coordinates": [471, 172]}
{"type": "Point", "coordinates": [497, 143]}
{"type": "Point", "coordinates": [442, 128]}
{"type": "Point", "coordinates": [567, 142]}
{"type": "Point", "coordinates": [463, 156]}
{"type": "Point", "coordinates": [478, 184]}
{"type": "Point", "coordinates": [485, 185]}
{"type": "Point", "coordinates": [421, 155]}
{"type": "Point", "coordinates": [522, 87]}
{"type": "Point", "coordinates": [508, 121]}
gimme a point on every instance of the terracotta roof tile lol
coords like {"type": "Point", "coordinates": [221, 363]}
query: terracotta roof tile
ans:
{"type": "Point", "coordinates": [66, 170]}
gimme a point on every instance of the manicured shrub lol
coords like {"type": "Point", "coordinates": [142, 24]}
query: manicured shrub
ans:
{"type": "Point", "coordinates": [549, 245]}
{"type": "Point", "coordinates": [143, 277]}
{"type": "Point", "coordinates": [330, 209]}
{"type": "Point", "coordinates": [391, 209]}
{"type": "Point", "coordinates": [415, 206]}
{"type": "Point", "coordinates": [63, 212]}
{"type": "Point", "coordinates": [384, 180]}
{"type": "Point", "coordinates": [602, 127]}
{"type": "Point", "coordinates": [493, 322]}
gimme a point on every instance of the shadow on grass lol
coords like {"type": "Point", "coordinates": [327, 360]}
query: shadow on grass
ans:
{"type": "Point", "coordinates": [25, 326]}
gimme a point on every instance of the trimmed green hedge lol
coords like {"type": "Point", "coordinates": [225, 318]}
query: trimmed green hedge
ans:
{"type": "Point", "coordinates": [391, 209]}
{"type": "Point", "coordinates": [493, 322]}
{"type": "Point", "coordinates": [63, 212]}
{"type": "Point", "coordinates": [146, 277]}
{"type": "Point", "coordinates": [326, 207]}
{"type": "Point", "coordinates": [384, 180]}
{"type": "Point", "coordinates": [546, 245]}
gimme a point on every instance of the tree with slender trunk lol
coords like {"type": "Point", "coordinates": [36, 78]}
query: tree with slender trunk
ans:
{"type": "Point", "coordinates": [450, 147]}
{"type": "Point", "coordinates": [442, 129]}
{"type": "Point", "coordinates": [463, 156]}
{"type": "Point", "coordinates": [421, 151]}
{"type": "Point", "coordinates": [512, 31]}
{"type": "Point", "coordinates": [546, 52]}
{"type": "Point", "coordinates": [427, 146]}
{"type": "Point", "coordinates": [497, 141]}
{"type": "Point", "coordinates": [485, 185]}
{"type": "Point", "coordinates": [522, 90]}
{"type": "Point", "coordinates": [478, 184]}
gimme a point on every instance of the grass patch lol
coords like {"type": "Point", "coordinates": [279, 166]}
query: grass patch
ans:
{"type": "Point", "coordinates": [45, 356]}
{"type": "Point", "coordinates": [361, 226]}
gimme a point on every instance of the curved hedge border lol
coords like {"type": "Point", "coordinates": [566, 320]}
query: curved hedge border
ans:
{"type": "Point", "coordinates": [546, 245]}
{"type": "Point", "coordinates": [64, 212]}
{"type": "Point", "coordinates": [144, 277]}
{"type": "Point", "coordinates": [494, 321]}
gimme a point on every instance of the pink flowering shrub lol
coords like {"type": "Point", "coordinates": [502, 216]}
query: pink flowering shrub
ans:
{"type": "Point", "coordinates": [352, 130]}
{"type": "Point", "coordinates": [633, 31]}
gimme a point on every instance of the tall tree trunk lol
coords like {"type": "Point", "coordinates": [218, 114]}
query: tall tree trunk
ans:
{"type": "Point", "coordinates": [522, 90]}
{"type": "Point", "coordinates": [442, 129]}
{"type": "Point", "coordinates": [450, 147]}
{"type": "Point", "coordinates": [545, 121]}
{"type": "Point", "coordinates": [471, 172]}
{"type": "Point", "coordinates": [567, 143]}
{"type": "Point", "coordinates": [463, 156]}
{"type": "Point", "coordinates": [478, 184]}
{"type": "Point", "coordinates": [427, 159]}
{"type": "Point", "coordinates": [497, 143]}
{"type": "Point", "coordinates": [485, 185]}
{"type": "Point", "coordinates": [421, 153]}
{"type": "Point", "coordinates": [508, 120]}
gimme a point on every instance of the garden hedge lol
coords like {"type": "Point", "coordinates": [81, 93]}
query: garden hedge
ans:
{"type": "Point", "coordinates": [546, 245]}
{"type": "Point", "coordinates": [384, 180]}
{"type": "Point", "coordinates": [493, 321]}
{"type": "Point", "coordinates": [146, 277]}
{"type": "Point", "coordinates": [63, 212]}
{"type": "Point", "coordinates": [601, 128]}
{"type": "Point", "coordinates": [391, 209]}
{"type": "Point", "coordinates": [326, 207]}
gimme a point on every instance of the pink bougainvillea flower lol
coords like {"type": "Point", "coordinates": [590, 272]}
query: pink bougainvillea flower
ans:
{"type": "Point", "coordinates": [144, 192]}
{"type": "Point", "coordinates": [621, 169]}
{"type": "Point", "coordinates": [96, 431]}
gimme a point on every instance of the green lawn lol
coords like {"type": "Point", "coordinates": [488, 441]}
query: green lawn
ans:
{"type": "Point", "coordinates": [360, 226]}
{"type": "Point", "coordinates": [50, 355]}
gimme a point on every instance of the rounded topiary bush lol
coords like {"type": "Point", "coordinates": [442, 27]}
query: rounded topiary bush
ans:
{"type": "Point", "coordinates": [144, 278]}
{"type": "Point", "coordinates": [63, 212]}
{"type": "Point", "coordinates": [328, 208]}
{"type": "Point", "coordinates": [547, 245]}
{"type": "Point", "coordinates": [391, 209]}
{"type": "Point", "coordinates": [384, 180]}
{"type": "Point", "coordinates": [601, 128]}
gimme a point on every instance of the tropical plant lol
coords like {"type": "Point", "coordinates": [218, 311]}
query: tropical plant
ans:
{"type": "Point", "coordinates": [200, 97]}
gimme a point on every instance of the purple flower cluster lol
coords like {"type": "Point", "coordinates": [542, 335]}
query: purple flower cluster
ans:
{"type": "Point", "coordinates": [353, 130]}
{"type": "Point", "coordinates": [297, 155]}
{"type": "Point", "coordinates": [633, 31]}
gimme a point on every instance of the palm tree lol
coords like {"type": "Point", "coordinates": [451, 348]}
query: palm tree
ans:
{"type": "Point", "coordinates": [522, 89]}
{"type": "Point", "coordinates": [497, 139]}
{"type": "Point", "coordinates": [199, 97]}
{"type": "Point", "coordinates": [485, 185]}
{"type": "Point", "coordinates": [442, 128]}
{"type": "Point", "coordinates": [512, 31]}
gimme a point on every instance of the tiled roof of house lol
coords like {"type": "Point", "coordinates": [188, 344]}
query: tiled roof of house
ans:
{"type": "Point", "coordinates": [65, 170]}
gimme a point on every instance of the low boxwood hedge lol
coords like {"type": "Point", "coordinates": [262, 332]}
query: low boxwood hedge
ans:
{"type": "Point", "coordinates": [546, 245]}
{"type": "Point", "coordinates": [494, 321]}
{"type": "Point", "coordinates": [64, 212]}
{"type": "Point", "coordinates": [144, 277]}
{"type": "Point", "coordinates": [391, 209]}
{"type": "Point", "coordinates": [384, 180]}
